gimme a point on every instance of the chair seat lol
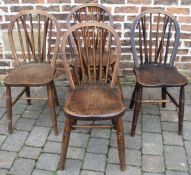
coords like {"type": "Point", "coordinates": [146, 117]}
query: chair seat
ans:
{"type": "Point", "coordinates": [159, 75]}
{"type": "Point", "coordinates": [95, 102]}
{"type": "Point", "coordinates": [30, 74]}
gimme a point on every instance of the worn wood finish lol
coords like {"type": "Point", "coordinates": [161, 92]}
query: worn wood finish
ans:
{"type": "Point", "coordinates": [94, 90]}
{"type": "Point", "coordinates": [154, 54]}
{"type": "Point", "coordinates": [34, 49]}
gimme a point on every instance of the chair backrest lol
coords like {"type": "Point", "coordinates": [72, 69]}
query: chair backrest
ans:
{"type": "Point", "coordinates": [89, 12]}
{"type": "Point", "coordinates": [154, 38]}
{"type": "Point", "coordinates": [34, 37]}
{"type": "Point", "coordinates": [87, 65]}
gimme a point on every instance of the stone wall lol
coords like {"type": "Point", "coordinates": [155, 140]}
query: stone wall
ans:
{"type": "Point", "coordinates": [123, 11]}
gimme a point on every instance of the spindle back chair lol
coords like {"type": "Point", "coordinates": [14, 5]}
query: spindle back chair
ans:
{"type": "Point", "coordinates": [95, 95]}
{"type": "Point", "coordinates": [155, 38]}
{"type": "Point", "coordinates": [154, 42]}
{"type": "Point", "coordinates": [90, 12]}
{"type": "Point", "coordinates": [34, 39]}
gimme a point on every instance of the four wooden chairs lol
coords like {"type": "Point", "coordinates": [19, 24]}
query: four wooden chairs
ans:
{"type": "Point", "coordinates": [91, 51]}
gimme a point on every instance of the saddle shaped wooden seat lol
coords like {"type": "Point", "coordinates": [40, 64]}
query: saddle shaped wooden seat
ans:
{"type": "Point", "coordinates": [153, 76]}
{"type": "Point", "coordinates": [95, 102]}
{"type": "Point", "coordinates": [31, 75]}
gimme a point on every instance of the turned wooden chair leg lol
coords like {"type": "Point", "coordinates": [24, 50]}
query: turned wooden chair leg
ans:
{"type": "Point", "coordinates": [51, 103]}
{"type": "Point", "coordinates": [28, 95]}
{"type": "Point", "coordinates": [55, 95]}
{"type": "Point", "coordinates": [114, 123]}
{"type": "Point", "coordinates": [65, 142]}
{"type": "Point", "coordinates": [136, 110]}
{"type": "Point", "coordinates": [181, 110]}
{"type": "Point", "coordinates": [120, 143]}
{"type": "Point", "coordinates": [133, 98]}
{"type": "Point", "coordinates": [164, 97]}
{"type": "Point", "coordinates": [9, 108]}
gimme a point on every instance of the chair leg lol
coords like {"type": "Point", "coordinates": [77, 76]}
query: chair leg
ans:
{"type": "Point", "coordinates": [133, 98]}
{"type": "Point", "coordinates": [28, 95]}
{"type": "Point", "coordinates": [164, 97]}
{"type": "Point", "coordinates": [55, 96]}
{"type": "Point", "coordinates": [136, 109]}
{"type": "Point", "coordinates": [52, 107]}
{"type": "Point", "coordinates": [181, 110]}
{"type": "Point", "coordinates": [9, 108]}
{"type": "Point", "coordinates": [121, 143]}
{"type": "Point", "coordinates": [114, 123]}
{"type": "Point", "coordinates": [65, 142]}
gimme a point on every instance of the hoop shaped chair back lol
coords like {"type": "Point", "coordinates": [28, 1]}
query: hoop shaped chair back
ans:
{"type": "Point", "coordinates": [89, 12]}
{"type": "Point", "coordinates": [154, 38]}
{"type": "Point", "coordinates": [86, 65]}
{"type": "Point", "coordinates": [34, 37]}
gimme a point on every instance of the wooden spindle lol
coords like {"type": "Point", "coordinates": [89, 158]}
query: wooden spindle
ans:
{"type": "Point", "coordinates": [27, 39]}
{"type": "Point", "coordinates": [150, 47]}
{"type": "Point", "coordinates": [39, 38]}
{"type": "Point", "coordinates": [32, 36]}
{"type": "Point", "coordinates": [50, 41]}
{"type": "Point", "coordinates": [108, 58]}
{"type": "Point", "coordinates": [46, 21]}
{"type": "Point", "coordinates": [21, 41]}
{"type": "Point", "coordinates": [101, 55]}
{"type": "Point", "coordinates": [140, 43]}
{"type": "Point", "coordinates": [143, 20]}
{"type": "Point", "coordinates": [168, 42]}
{"type": "Point", "coordinates": [157, 36]}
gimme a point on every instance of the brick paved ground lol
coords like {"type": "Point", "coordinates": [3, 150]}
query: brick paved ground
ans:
{"type": "Point", "coordinates": [155, 150]}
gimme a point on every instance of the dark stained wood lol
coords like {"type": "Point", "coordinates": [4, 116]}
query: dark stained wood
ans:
{"type": "Point", "coordinates": [9, 108]}
{"type": "Point", "coordinates": [95, 93]}
{"type": "Point", "coordinates": [159, 34]}
{"type": "Point", "coordinates": [159, 75]}
{"type": "Point", "coordinates": [120, 143]}
{"type": "Point", "coordinates": [32, 55]}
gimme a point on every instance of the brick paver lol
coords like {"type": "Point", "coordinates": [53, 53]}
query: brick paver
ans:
{"type": "Point", "coordinates": [156, 149]}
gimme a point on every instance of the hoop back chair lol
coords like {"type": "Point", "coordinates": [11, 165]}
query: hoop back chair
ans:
{"type": "Point", "coordinates": [34, 39]}
{"type": "Point", "coordinates": [94, 95]}
{"type": "Point", "coordinates": [154, 42]}
{"type": "Point", "coordinates": [90, 12]}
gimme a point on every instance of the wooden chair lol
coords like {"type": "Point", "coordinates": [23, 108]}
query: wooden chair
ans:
{"type": "Point", "coordinates": [94, 94]}
{"type": "Point", "coordinates": [90, 12]}
{"type": "Point", "coordinates": [34, 39]}
{"type": "Point", "coordinates": [154, 42]}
